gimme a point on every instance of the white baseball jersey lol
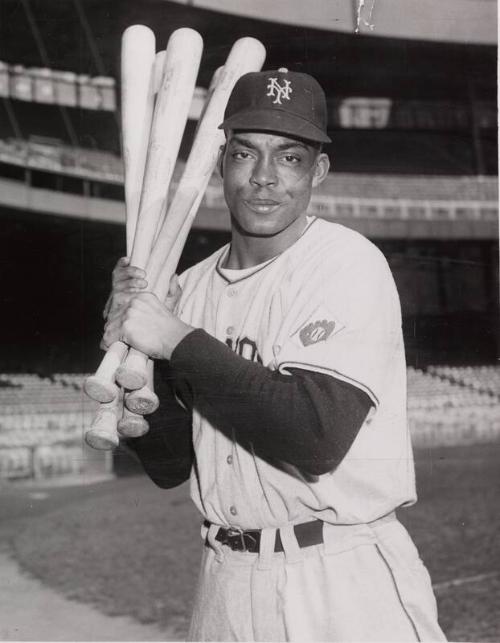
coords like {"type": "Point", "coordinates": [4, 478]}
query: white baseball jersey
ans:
{"type": "Point", "coordinates": [326, 304]}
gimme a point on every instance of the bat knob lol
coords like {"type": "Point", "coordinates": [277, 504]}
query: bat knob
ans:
{"type": "Point", "coordinates": [132, 426]}
{"type": "Point", "coordinates": [99, 389]}
{"type": "Point", "coordinates": [143, 401]}
{"type": "Point", "coordinates": [133, 373]}
{"type": "Point", "coordinates": [101, 440]}
{"type": "Point", "coordinates": [130, 379]}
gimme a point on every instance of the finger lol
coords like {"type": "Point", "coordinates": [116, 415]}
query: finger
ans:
{"type": "Point", "coordinates": [174, 287]}
{"type": "Point", "coordinates": [125, 285]}
{"type": "Point", "coordinates": [121, 266]}
{"type": "Point", "coordinates": [128, 273]}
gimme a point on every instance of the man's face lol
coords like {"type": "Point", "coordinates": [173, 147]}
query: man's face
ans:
{"type": "Point", "coordinates": [268, 180]}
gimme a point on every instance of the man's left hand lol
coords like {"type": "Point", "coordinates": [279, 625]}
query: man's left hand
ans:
{"type": "Point", "coordinates": [148, 326]}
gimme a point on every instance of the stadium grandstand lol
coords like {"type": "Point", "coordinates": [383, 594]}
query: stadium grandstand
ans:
{"type": "Point", "coordinates": [412, 99]}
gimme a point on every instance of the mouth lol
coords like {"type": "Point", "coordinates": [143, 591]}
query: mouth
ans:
{"type": "Point", "coordinates": [262, 206]}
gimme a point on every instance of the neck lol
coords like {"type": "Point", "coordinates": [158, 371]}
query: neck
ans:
{"type": "Point", "coordinates": [247, 251]}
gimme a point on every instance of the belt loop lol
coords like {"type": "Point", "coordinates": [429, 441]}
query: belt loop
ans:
{"type": "Point", "coordinates": [266, 550]}
{"type": "Point", "coordinates": [293, 553]}
{"type": "Point", "coordinates": [215, 544]}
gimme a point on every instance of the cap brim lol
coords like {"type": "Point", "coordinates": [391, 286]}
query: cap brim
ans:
{"type": "Point", "coordinates": [275, 120]}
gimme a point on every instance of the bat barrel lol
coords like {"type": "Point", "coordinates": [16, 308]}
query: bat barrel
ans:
{"type": "Point", "coordinates": [182, 61]}
{"type": "Point", "coordinates": [138, 78]}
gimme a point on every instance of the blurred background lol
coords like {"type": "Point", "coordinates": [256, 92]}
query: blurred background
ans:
{"type": "Point", "coordinates": [412, 100]}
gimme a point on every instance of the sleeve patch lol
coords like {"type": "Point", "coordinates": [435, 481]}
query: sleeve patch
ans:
{"type": "Point", "coordinates": [318, 328]}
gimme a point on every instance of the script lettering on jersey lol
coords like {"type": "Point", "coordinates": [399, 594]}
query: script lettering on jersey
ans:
{"type": "Point", "coordinates": [245, 347]}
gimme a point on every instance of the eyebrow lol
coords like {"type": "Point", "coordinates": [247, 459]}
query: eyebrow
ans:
{"type": "Point", "coordinates": [283, 146]}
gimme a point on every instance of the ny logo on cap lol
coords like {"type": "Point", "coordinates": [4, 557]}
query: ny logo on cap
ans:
{"type": "Point", "coordinates": [279, 91]}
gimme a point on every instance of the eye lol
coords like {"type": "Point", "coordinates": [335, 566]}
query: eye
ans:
{"type": "Point", "coordinates": [292, 158]}
{"type": "Point", "coordinates": [241, 155]}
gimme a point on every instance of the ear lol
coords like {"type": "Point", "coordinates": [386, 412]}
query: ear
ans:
{"type": "Point", "coordinates": [321, 169]}
{"type": "Point", "coordinates": [220, 160]}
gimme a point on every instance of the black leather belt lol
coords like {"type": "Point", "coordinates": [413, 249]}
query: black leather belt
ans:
{"type": "Point", "coordinates": [306, 533]}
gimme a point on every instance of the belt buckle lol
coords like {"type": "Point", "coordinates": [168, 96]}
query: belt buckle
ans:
{"type": "Point", "coordinates": [235, 539]}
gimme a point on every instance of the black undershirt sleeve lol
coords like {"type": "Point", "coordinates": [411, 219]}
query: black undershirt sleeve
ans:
{"type": "Point", "coordinates": [166, 451]}
{"type": "Point", "coordinates": [308, 420]}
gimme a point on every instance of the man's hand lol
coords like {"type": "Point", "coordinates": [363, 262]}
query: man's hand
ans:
{"type": "Point", "coordinates": [126, 282]}
{"type": "Point", "coordinates": [147, 325]}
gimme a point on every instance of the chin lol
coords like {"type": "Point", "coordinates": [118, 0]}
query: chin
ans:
{"type": "Point", "coordinates": [262, 225]}
{"type": "Point", "coordinates": [261, 229]}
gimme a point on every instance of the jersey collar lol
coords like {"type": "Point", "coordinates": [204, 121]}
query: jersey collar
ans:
{"type": "Point", "coordinates": [231, 275]}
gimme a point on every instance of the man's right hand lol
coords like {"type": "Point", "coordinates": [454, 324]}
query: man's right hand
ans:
{"type": "Point", "coordinates": [127, 281]}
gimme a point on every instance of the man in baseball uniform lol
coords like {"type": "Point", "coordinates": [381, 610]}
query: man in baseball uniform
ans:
{"type": "Point", "coordinates": [282, 380]}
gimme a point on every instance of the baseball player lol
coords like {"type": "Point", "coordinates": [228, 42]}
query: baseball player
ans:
{"type": "Point", "coordinates": [282, 380]}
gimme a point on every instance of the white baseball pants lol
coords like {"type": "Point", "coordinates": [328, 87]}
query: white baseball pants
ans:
{"type": "Point", "coordinates": [364, 583]}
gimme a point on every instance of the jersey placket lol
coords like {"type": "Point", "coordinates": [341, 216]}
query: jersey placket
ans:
{"type": "Point", "coordinates": [226, 330]}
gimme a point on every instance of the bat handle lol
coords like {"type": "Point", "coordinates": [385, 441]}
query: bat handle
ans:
{"type": "Point", "coordinates": [144, 400]}
{"type": "Point", "coordinates": [101, 386]}
{"type": "Point", "coordinates": [133, 373]}
{"type": "Point", "coordinates": [132, 425]}
{"type": "Point", "coordinates": [103, 434]}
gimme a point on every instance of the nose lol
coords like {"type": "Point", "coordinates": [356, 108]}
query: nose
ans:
{"type": "Point", "coordinates": [264, 173]}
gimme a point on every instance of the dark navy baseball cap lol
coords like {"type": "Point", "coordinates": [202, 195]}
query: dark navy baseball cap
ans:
{"type": "Point", "coordinates": [280, 101]}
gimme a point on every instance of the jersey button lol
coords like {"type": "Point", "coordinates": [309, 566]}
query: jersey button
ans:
{"type": "Point", "coordinates": [229, 459]}
{"type": "Point", "coordinates": [230, 330]}
{"type": "Point", "coordinates": [233, 510]}
{"type": "Point", "coordinates": [232, 292]}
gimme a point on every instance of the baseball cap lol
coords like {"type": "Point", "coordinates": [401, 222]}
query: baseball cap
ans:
{"type": "Point", "coordinates": [281, 101]}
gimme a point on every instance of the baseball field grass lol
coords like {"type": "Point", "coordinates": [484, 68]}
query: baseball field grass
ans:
{"type": "Point", "coordinates": [134, 549]}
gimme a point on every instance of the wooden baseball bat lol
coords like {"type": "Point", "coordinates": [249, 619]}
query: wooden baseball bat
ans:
{"type": "Point", "coordinates": [182, 60]}
{"type": "Point", "coordinates": [138, 73]}
{"type": "Point", "coordinates": [247, 54]}
{"type": "Point", "coordinates": [141, 74]}
{"type": "Point", "coordinates": [137, 98]}
{"type": "Point", "coordinates": [132, 425]}
{"type": "Point", "coordinates": [103, 433]}
{"type": "Point", "coordinates": [137, 102]}
{"type": "Point", "coordinates": [143, 401]}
